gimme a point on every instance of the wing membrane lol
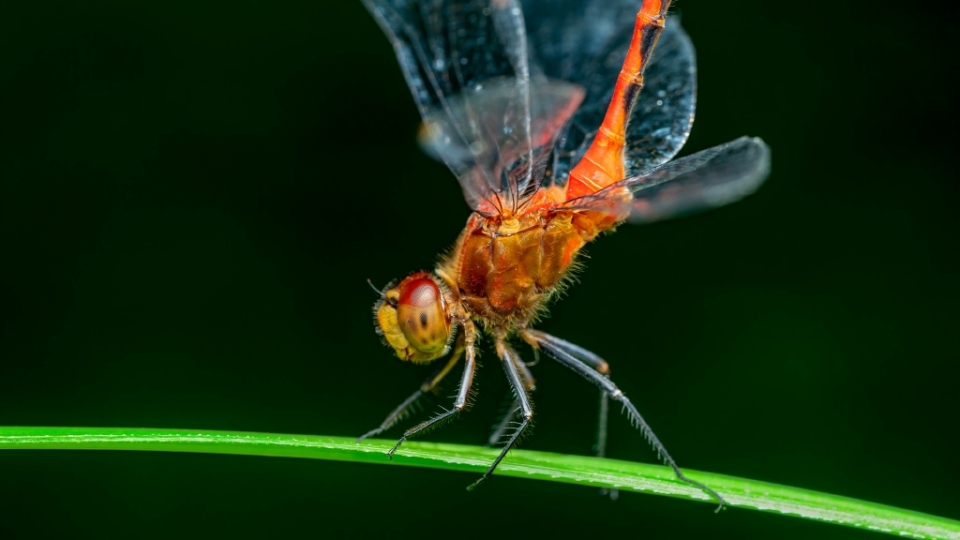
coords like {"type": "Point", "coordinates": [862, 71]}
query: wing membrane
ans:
{"type": "Point", "coordinates": [663, 115]}
{"type": "Point", "coordinates": [463, 48]}
{"type": "Point", "coordinates": [708, 179]}
{"type": "Point", "coordinates": [585, 42]}
{"type": "Point", "coordinates": [450, 47]}
{"type": "Point", "coordinates": [491, 139]}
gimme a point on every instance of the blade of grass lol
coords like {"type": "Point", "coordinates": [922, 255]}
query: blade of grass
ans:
{"type": "Point", "coordinates": [609, 473]}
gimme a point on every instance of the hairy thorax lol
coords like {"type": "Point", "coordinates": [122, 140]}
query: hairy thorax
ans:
{"type": "Point", "coordinates": [504, 269]}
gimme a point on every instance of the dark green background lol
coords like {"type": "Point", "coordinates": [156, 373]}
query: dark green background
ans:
{"type": "Point", "coordinates": [193, 195]}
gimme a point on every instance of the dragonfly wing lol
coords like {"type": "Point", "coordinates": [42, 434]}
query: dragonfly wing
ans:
{"type": "Point", "coordinates": [494, 142]}
{"type": "Point", "coordinates": [443, 47]}
{"type": "Point", "coordinates": [708, 179]}
{"type": "Point", "coordinates": [663, 115]}
{"type": "Point", "coordinates": [585, 42]}
{"type": "Point", "coordinates": [458, 57]}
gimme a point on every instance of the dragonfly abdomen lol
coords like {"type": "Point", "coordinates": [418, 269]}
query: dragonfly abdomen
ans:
{"type": "Point", "coordinates": [603, 163]}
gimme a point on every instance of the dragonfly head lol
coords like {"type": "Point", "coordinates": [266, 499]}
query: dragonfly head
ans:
{"type": "Point", "coordinates": [414, 318]}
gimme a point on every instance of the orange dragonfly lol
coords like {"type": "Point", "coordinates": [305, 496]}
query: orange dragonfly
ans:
{"type": "Point", "coordinates": [560, 121]}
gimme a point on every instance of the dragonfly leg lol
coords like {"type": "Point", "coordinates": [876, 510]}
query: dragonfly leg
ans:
{"type": "Point", "coordinates": [496, 436]}
{"type": "Point", "coordinates": [534, 337]}
{"type": "Point", "coordinates": [463, 393]}
{"type": "Point", "coordinates": [563, 355]}
{"type": "Point", "coordinates": [529, 384]}
{"type": "Point", "coordinates": [510, 361]}
{"type": "Point", "coordinates": [428, 385]}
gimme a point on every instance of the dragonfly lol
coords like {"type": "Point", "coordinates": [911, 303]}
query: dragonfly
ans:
{"type": "Point", "coordinates": [560, 120]}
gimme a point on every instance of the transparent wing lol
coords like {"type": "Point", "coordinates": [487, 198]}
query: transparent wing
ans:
{"type": "Point", "coordinates": [701, 181]}
{"type": "Point", "coordinates": [585, 42]}
{"type": "Point", "coordinates": [466, 62]}
{"type": "Point", "coordinates": [663, 115]}
{"type": "Point", "coordinates": [443, 46]}
{"type": "Point", "coordinates": [494, 143]}
{"type": "Point", "coordinates": [451, 47]}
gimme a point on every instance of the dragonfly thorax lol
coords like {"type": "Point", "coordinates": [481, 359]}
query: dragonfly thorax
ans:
{"type": "Point", "coordinates": [505, 270]}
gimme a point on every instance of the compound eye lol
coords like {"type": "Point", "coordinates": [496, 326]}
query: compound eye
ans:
{"type": "Point", "coordinates": [421, 315]}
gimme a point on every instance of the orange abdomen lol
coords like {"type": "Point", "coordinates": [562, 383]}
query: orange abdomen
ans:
{"type": "Point", "coordinates": [603, 164]}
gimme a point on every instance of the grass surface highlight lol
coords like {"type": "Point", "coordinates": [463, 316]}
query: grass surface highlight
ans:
{"type": "Point", "coordinates": [571, 469]}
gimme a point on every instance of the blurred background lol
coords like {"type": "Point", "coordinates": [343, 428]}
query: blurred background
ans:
{"type": "Point", "coordinates": [193, 195]}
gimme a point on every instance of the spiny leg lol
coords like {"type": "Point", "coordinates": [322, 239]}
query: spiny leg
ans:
{"type": "Point", "coordinates": [529, 384]}
{"type": "Point", "coordinates": [428, 385]}
{"type": "Point", "coordinates": [602, 418]}
{"type": "Point", "coordinates": [602, 422]}
{"type": "Point", "coordinates": [536, 337]}
{"type": "Point", "coordinates": [533, 337]}
{"type": "Point", "coordinates": [501, 427]}
{"type": "Point", "coordinates": [510, 360]}
{"type": "Point", "coordinates": [463, 393]}
{"type": "Point", "coordinates": [611, 389]}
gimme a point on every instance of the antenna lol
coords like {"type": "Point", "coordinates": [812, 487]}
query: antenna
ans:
{"type": "Point", "coordinates": [374, 287]}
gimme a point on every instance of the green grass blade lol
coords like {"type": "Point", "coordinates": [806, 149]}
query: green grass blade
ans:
{"type": "Point", "coordinates": [641, 477]}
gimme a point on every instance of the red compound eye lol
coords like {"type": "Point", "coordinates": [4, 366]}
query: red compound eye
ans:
{"type": "Point", "coordinates": [420, 313]}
